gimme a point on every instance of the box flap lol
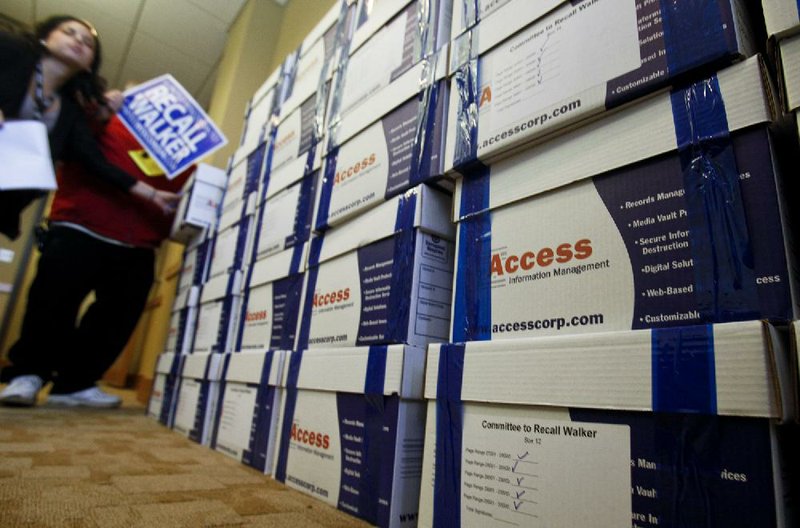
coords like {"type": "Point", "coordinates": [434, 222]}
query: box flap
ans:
{"type": "Point", "coordinates": [640, 130]}
{"type": "Point", "coordinates": [246, 367]}
{"type": "Point", "coordinates": [164, 363]}
{"type": "Point", "coordinates": [790, 73]}
{"type": "Point", "coordinates": [221, 286]}
{"type": "Point", "coordinates": [781, 17]}
{"type": "Point", "coordinates": [288, 174]}
{"type": "Point", "coordinates": [278, 266]}
{"type": "Point", "coordinates": [347, 369]}
{"type": "Point", "coordinates": [431, 213]}
{"type": "Point", "coordinates": [621, 370]}
{"type": "Point", "coordinates": [210, 175]}
{"type": "Point", "coordinates": [202, 366]}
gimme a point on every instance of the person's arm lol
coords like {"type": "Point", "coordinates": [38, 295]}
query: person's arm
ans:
{"type": "Point", "coordinates": [84, 147]}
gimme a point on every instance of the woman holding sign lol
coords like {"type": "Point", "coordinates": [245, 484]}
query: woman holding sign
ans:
{"type": "Point", "coordinates": [47, 78]}
{"type": "Point", "coordinates": [42, 76]}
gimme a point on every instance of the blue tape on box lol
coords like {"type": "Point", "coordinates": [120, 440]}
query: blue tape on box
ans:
{"type": "Point", "coordinates": [694, 31]}
{"type": "Point", "coordinates": [402, 269]}
{"type": "Point", "coordinates": [218, 415]}
{"type": "Point", "coordinates": [290, 401]}
{"type": "Point", "coordinates": [327, 189]}
{"type": "Point", "coordinates": [467, 84]}
{"type": "Point", "coordinates": [683, 370]}
{"type": "Point", "coordinates": [255, 456]}
{"type": "Point", "coordinates": [449, 431]}
{"type": "Point", "coordinates": [376, 370]}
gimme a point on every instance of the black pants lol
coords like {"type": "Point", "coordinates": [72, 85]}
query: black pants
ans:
{"type": "Point", "coordinates": [75, 354]}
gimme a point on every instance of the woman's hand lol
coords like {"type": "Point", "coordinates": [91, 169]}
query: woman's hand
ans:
{"type": "Point", "coordinates": [114, 100]}
{"type": "Point", "coordinates": [166, 201]}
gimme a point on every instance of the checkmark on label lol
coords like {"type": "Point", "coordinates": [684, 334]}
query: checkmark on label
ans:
{"type": "Point", "coordinates": [520, 493]}
{"type": "Point", "coordinates": [522, 456]}
{"type": "Point", "coordinates": [514, 467]}
{"type": "Point", "coordinates": [517, 504]}
{"type": "Point", "coordinates": [519, 480]}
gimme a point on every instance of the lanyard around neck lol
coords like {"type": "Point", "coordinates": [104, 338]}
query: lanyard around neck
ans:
{"type": "Point", "coordinates": [41, 102]}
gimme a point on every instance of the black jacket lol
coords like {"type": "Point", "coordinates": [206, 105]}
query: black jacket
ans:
{"type": "Point", "coordinates": [71, 138]}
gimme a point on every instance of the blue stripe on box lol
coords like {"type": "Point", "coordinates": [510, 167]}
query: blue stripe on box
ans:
{"type": "Point", "coordinates": [723, 259]}
{"type": "Point", "coordinates": [376, 370]}
{"type": "Point", "coordinates": [218, 415]}
{"type": "Point", "coordinates": [449, 430]}
{"type": "Point", "coordinates": [683, 370]}
{"type": "Point", "coordinates": [295, 359]}
{"type": "Point", "coordinates": [329, 176]}
{"type": "Point", "coordinates": [256, 452]}
{"type": "Point", "coordinates": [472, 311]}
{"type": "Point", "coordinates": [402, 269]}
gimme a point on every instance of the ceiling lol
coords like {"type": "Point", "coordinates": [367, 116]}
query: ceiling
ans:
{"type": "Point", "coordinates": [143, 39]}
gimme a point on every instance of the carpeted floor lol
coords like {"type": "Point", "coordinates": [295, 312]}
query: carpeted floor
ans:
{"type": "Point", "coordinates": [84, 468]}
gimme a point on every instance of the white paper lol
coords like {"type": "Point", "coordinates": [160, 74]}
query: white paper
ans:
{"type": "Point", "coordinates": [25, 155]}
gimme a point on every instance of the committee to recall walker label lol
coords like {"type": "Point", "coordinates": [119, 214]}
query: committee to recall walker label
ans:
{"type": "Point", "coordinates": [170, 124]}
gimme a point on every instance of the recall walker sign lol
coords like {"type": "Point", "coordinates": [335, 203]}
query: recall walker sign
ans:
{"type": "Point", "coordinates": [169, 124]}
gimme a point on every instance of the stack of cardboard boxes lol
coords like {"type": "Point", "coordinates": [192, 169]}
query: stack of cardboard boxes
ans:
{"type": "Point", "coordinates": [595, 329]}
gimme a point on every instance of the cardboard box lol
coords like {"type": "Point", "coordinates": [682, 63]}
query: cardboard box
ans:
{"type": "Point", "coordinates": [384, 277]}
{"type": "Point", "coordinates": [195, 264]}
{"type": "Point", "coordinates": [781, 17]}
{"type": "Point", "coordinates": [218, 314]}
{"type": "Point", "coordinates": [790, 72]}
{"type": "Point", "coordinates": [247, 411]}
{"type": "Point", "coordinates": [197, 394]}
{"type": "Point", "coordinates": [230, 247]}
{"type": "Point", "coordinates": [393, 65]}
{"type": "Point", "coordinates": [161, 405]}
{"type": "Point", "coordinates": [284, 220]}
{"type": "Point", "coordinates": [635, 247]}
{"type": "Point", "coordinates": [399, 151]}
{"type": "Point", "coordinates": [199, 206]}
{"type": "Point", "coordinates": [241, 194]}
{"type": "Point", "coordinates": [259, 113]}
{"type": "Point", "coordinates": [182, 321]}
{"type": "Point", "coordinates": [271, 301]}
{"type": "Point", "coordinates": [294, 137]}
{"type": "Point", "coordinates": [576, 62]}
{"type": "Point", "coordinates": [351, 428]}
{"type": "Point", "coordinates": [276, 180]}
{"type": "Point", "coordinates": [666, 427]}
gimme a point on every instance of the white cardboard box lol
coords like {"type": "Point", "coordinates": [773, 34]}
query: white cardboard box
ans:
{"type": "Point", "coordinates": [247, 411]}
{"type": "Point", "coordinates": [194, 267]}
{"type": "Point", "coordinates": [285, 219]}
{"type": "Point", "coordinates": [634, 247]}
{"type": "Point", "coordinates": [243, 184]}
{"type": "Point", "coordinates": [230, 247]}
{"type": "Point", "coordinates": [781, 17]}
{"type": "Point", "coordinates": [295, 135]}
{"type": "Point", "coordinates": [182, 321]}
{"type": "Point", "coordinates": [218, 314]}
{"type": "Point", "coordinates": [402, 149]}
{"type": "Point", "coordinates": [199, 206]}
{"type": "Point", "coordinates": [197, 394]}
{"type": "Point", "coordinates": [384, 277]}
{"type": "Point", "coordinates": [666, 427]}
{"type": "Point", "coordinates": [351, 426]}
{"type": "Point", "coordinates": [790, 72]}
{"type": "Point", "coordinates": [272, 300]}
{"type": "Point", "coordinates": [161, 405]}
{"type": "Point", "coordinates": [260, 110]}
{"type": "Point", "coordinates": [576, 62]}
{"type": "Point", "coordinates": [388, 69]}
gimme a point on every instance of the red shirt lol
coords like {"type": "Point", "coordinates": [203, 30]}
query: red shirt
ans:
{"type": "Point", "coordinates": [86, 200]}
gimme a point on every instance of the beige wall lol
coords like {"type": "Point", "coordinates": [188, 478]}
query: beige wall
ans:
{"type": "Point", "coordinates": [258, 42]}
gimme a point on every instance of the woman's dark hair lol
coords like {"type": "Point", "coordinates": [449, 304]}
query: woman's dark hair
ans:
{"type": "Point", "coordinates": [86, 84]}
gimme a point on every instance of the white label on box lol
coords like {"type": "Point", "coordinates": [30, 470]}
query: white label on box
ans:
{"type": "Point", "coordinates": [186, 413]}
{"type": "Point", "coordinates": [600, 36]}
{"type": "Point", "coordinates": [529, 467]}
{"type": "Point", "coordinates": [371, 67]}
{"type": "Point", "coordinates": [236, 420]}
{"type": "Point", "coordinates": [521, 471]}
{"type": "Point", "coordinates": [208, 323]}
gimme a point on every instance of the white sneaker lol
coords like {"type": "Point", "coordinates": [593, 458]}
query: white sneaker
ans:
{"type": "Point", "coordinates": [91, 397]}
{"type": "Point", "coordinates": [22, 391]}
